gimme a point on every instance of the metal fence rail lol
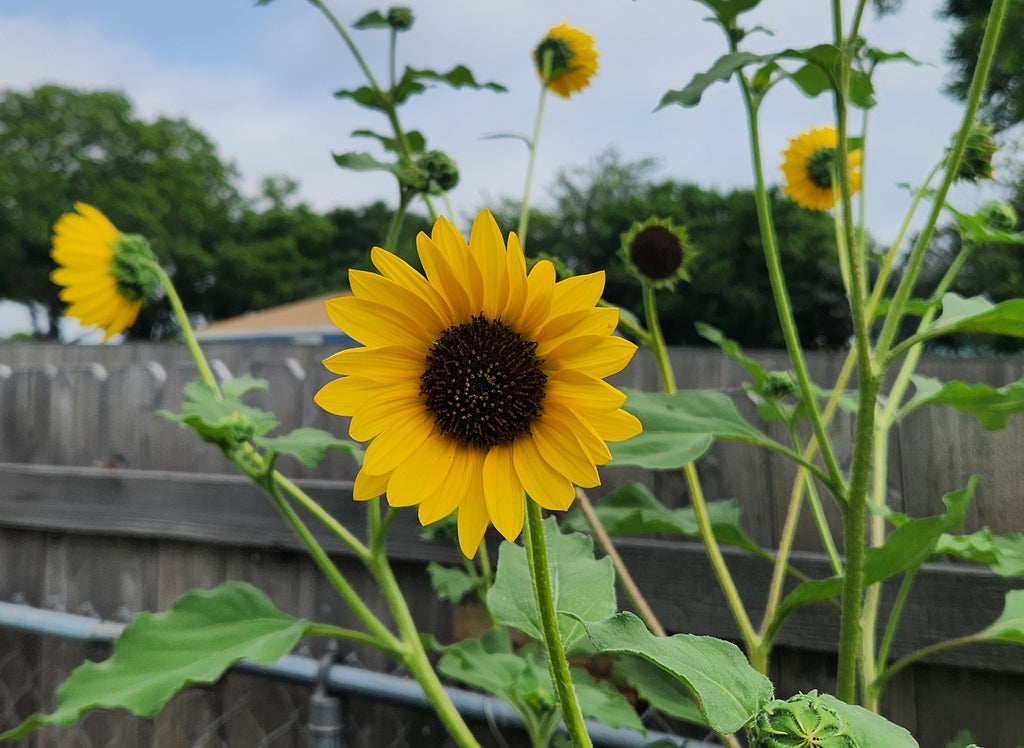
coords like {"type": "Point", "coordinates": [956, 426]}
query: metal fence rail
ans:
{"type": "Point", "coordinates": [327, 682]}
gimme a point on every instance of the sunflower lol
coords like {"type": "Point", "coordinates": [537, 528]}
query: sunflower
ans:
{"type": "Point", "coordinates": [477, 382]}
{"type": "Point", "coordinates": [573, 59]}
{"type": "Point", "coordinates": [656, 252]}
{"type": "Point", "coordinates": [808, 165]}
{"type": "Point", "coordinates": [106, 275]}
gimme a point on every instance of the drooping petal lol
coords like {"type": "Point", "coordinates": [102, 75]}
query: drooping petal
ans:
{"type": "Point", "coordinates": [369, 486]}
{"type": "Point", "coordinates": [503, 492]}
{"type": "Point", "coordinates": [473, 518]}
{"type": "Point", "coordinates": [451, 489]}
{"type": "Point", "coordinates": [392, 447]}
{"type": "Point", "coordinates": [419, 474]}
{"type": "Point", "coordinates": [564, 453]}
{"type": "Point", "coordinates": [545, 485]}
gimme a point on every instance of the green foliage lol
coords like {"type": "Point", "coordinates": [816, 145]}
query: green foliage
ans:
{"type": "Point", "coordinates": [727, 690]}
{"type": "Point", "coordinates": [583, 587]}
{"type": "Point", "coordinates": [1004, 554]}
{"type": "Point", "coordinates": [451, 584]}
{"type": "Point", "coordinates": [1009, 627]}
{"type": "Point", "coordinates": [158, 655]}
{"type": "Point", "coordinates": [990, 405]}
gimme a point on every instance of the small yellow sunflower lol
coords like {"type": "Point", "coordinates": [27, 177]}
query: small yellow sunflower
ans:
{"type": "Point", "coordinates": [573, 59]}
{"type": "Point", "coordinates": [106, 275]}
{"type": "Point", "coordinates": [808, 165]}
{"type": "Point", "coordinates": [477, 382]}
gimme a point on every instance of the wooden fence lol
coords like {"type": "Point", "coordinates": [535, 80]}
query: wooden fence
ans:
{"type": "Point", "coordinates": [106, 505]}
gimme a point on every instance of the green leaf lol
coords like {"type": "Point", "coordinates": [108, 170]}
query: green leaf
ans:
{"type": "Point", "coordinates": [450, 584]}
{"type": "Point", "coordinates": [867, 728]}
{"type": "Point", "coordinates": [728, 691]}
{"type": "Point", "coordinates": [362, 162]}
{"type": "Point", "coordinates": [417, 143]}
{"type": "Point", "coordinates": [602, 702]}
{"type": "Point", "coordinates": [583, 587]}
{"type": "Point", "coordinates": [722, 70]}
{"type": "Point", "coordinates": [977, 314]}
{"type": "Point", "coordinates": [906, 549]}
{"type": "Point", "coordinates": [1009, 627]}
{"type": "Point", "coordinates": [458, 77]}
{"type": "Point", "coordinates": [727, 10]}
{"type": "Point", "coordinates": [679, 428]}
{"type": "Point", "coordinates": [634, 510]}
{"type": "Point", "coordinates": [659, 688]}
{"type": "Point", "coordinates": [372, 20]}
{"type": "Point", "coordinates": [225, 420]}
{"type": "Point", "coordinates": [1004, 554]}
{"type": "Point", "coordinates": [158, 655]}
{"type": "Point", "coordinates": [991, 406]}
{"type": "Point", "coordinates": [975, 228]}
{"type": "Point", "coordinates": [366, 96]}
{"type": "Point", "coordinates": [307, 445]}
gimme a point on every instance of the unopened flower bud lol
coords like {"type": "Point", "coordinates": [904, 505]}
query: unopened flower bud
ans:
{"type": "Point", "coordinates": [656, 252]}
{"type": "Point", "coordinates": [977, 161]}
{"type": "Point", "coordinates": [439, 171]}
{"type": "Point", "coordinates": [803, 721]}
{"type": "Point", "coordinates": [400, 18]}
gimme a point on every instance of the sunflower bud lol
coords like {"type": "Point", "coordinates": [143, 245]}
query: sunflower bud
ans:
{"type": "Point", "coordinates": [439, 172]}
{"type": "Point", "coordinates": [656, 252]}
{"type": "Point", "coordinates": [803, 721]}
{"type": "Point", "coordinates": [976, 164]}
{"type": "Point", "coordinates": [1000, 216]}
{"type": "Point", "coordinates": [566, 60]}
{"type": "Point", "coordinates": [133, 267]}
{"type": "Point", "coordinates": [400, 18]}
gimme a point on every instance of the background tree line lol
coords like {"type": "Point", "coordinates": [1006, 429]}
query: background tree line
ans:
{"type": "Point", "coordinates": [230, 254]}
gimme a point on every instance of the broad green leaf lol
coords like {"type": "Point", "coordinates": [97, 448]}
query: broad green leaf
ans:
{"type": "Point", "coordinates": [243, 385]}
{"type": "Point", "coordinates": [602, 702]}
{"type": "Point", "coordinates": [991, 406]}
{"type": "Point", "coordinates": [1009, 627]}
{"type": "Point", "coordinates": [634, 510]}
{"type": "Point", "coordinates": [450, 584]}
{"type": "Point", "coordinates": [906, 549]}
{"type": "Point", "coordinates": [362, 162]}
{"type": "Point", "coordinates": [977, 314]}
{"type": "Point", "coordinates": [365, 96]}
{"type": "Point", "coordinates": [372, 20]}
{"type": "Point", "coordinates": [1004, 554]}
{"type": "Point", "coordinates": [224, 421]}
{"type": "Point", "coordinates": [583, 587]}
{"type": "Point", "coordinates": [977, 229]}
{"type": "Point", "coordinates": [158, 655]}
{"type": "Point", "coordinates": [811, 79]}
{"type": "Point", "coordinates": [679, 428]}
{"type": "Point", "coordinates": [417, 143]}
{"type": "Point", "coordinates": [659, 688]}
{"type": "Point", "coordinates": [459, 76]}
{"type": "Point", "coordinates": [307, 445]}
{"type": "Point", "coordinates": [722, 70]}
{"type": "Point", "coordinates": [728, 691]}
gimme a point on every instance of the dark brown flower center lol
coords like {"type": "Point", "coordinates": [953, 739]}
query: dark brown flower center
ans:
{"type": "Point", "coordinates": [483, 383]}
{"type": "Point", "coordinates": [656, 252]}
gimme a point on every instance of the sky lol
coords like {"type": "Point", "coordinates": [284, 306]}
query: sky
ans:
{"type": "Point", "coordinates": [258, 80]}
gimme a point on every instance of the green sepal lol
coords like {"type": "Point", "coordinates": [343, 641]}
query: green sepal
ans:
{"type": "Point", "coordinates": [157, 655]}
{"type": "Point", "coordinates": [583, 587]}
{"type": "Point", "coordinates": [728, 691]}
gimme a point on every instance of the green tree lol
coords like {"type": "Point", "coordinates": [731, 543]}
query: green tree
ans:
{"type": "Point", "coordinates": [163, 179]}
{"type": "Point", "coordinates": [729, 288]}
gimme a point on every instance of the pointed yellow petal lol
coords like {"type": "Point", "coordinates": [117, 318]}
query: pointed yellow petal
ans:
{"type": "Point", "coordinates": [616, 426]}
{"type": "Point", "coordinates": [564, 453]}
{"type": "Point", "coordinates": [375, 324]}
{"type": "Point", "coordinates": [390, 364]}
{"type": "Point", "coordinates": [582, 392]}
{"type": "Point", "coordinates": [487, 247]}
{"type": "Point", "coordinates": [473, 519]}
{"type": "Point", "coordinates": [377, 288]}
{"type": "Point", "coordinates": [597, 321]}
{"type": "Point", "coordinates": [566, 421]}
{"type": "Point", "coordinates": [578, 292]}
{"type": "Point", "coordinates": [543, 483]}
{"type": "Point", "coordinates": [343, 397]}
{"type": "Point", "coordinates": [381, 413]}
{"type": "Point", "coordinates": [452, 491]}
{"type": "Point", "coordinates": [442, 276]}
{"type": "Point", "coordinates": [422, 473]}
{"type": "Point", "coordinates": [540, 286]}
{"type": "Point", "coordinates": [597, 355]}
{"type": "Point", "coordinates": [394, 446]}
{"type": "Point", "coordinates": [503, 493]}
{"type": "Point", "coordinates": [368, 486]}
{"type": "Point", "coordinates": [515, 271]}
{"type": "Point", "coordinates": [395, 268]}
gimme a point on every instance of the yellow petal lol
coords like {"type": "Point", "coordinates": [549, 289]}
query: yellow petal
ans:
{"type": "Point", "coordinates": [473, 519]}
{"type": "Point", "coordinates": [394, 267]}
{"type": "Point", "coordinates": [452, 490]}
{"type": "Point", "coordinates": [578, 292]}
{"type": "Point", "coordinates": [564, 453]}
{"type": "Point", "coordinates": [582, 392]}
{"type": "Point", "coordinates": [375, 324]}
{"type": "Point", "coordinates": [599, 321]}
{"type": "Point", "coordinates": [369, 486]}
{"type": "Point", "coordinates": [543, 483]}
{"type": "Point", "coordinates": [597, 355]}
{"type": "Point", "coordinates": [488, 250]}
{"type": "Point", "coordinates": [391, 364]}
{"type": "Point", "coordinates": [515, 270]}
{"type": "Point", "coordinates": [381, 413]}
{"type": "Point", "coordinates": [394, 446]}
{"type": "Point", "coordinates": [442, 276]}
{"type": "Point", "coordinates": [616, 426]}
{"type": "Point", "coordinates": [566, 421]}
{"type": "Point", "coordinates": [343, 397]}
{"type": "Point", "coordinates": [377, 288]}
{"type": "Point", "coordinates": [124, 317]}
{"type": "Point", "coordinates": [503, 493]}
{"type": "Point", "coordinates": [540, 286]}
{"type": "Point", "coordinates": [422, 473]}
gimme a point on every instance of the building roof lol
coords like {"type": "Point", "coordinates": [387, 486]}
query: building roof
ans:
{"type": "Point", "coordinates": [303, 321]}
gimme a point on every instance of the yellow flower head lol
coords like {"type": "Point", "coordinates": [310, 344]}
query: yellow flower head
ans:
{"type": "Point", "coordinates": [477, 382]}
{"type": "Point", "coordinates": [573, 59]}
{"type": "Point", "coordinates": [106, 275]}
{"type": "Point", "coordinates": [808, 165]}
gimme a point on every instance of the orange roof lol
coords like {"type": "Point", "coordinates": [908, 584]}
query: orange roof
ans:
{"type": "Point", "coordinates": [297, 321]}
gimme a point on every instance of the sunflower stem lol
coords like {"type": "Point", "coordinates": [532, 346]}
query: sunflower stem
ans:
{"type": "Point", "coordinates": [186, 330]}
{"type": "Point", "coordinates": [524, 212]}
{"type": "Point", "coordinates": [536, 552]}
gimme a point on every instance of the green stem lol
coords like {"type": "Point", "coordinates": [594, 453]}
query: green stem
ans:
{"type": "Point", "coordinates": [324, 517]}
{"type": "Point", "coordinates": [781, 294]}
{"type": "Point", "coordinates": [186, 330]}
{"type": "Point", "coordinates": [537, 554]}
{"type": "Point", "coordinates": [985, 58]}
{"type": "Point", "coordinates": [358, 637]}
{"type": "Point", "coordinates": [415, 657]}
{"type": "Point", "coordinates": [873, 688]}
{"type": "Point", "coordinates": [395, 227]}
{"type": "Point", "coordinates": [524, 213]}
{"type": "Point", "coordinates": [942, 646]}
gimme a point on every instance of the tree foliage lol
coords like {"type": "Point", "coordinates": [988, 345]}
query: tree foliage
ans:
{"type": "Point", "coordinates": [594, 205]}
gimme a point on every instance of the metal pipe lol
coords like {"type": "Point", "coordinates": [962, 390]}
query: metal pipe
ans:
{"type": "Point", "coordinates": [343, 679]}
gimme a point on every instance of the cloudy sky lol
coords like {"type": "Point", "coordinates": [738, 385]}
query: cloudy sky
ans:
{"type": "Point", "coordinates": [258, 81]}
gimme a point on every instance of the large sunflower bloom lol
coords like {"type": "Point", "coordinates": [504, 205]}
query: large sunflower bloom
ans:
{"type": "Point", "coordinates": [478, 382]}
{"type": "Point", "coordinates": [573, 59]}
{"type": "Point", "coordinates": [808, 165]}
{"type": "Point", "coordinates": [104, 272]}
